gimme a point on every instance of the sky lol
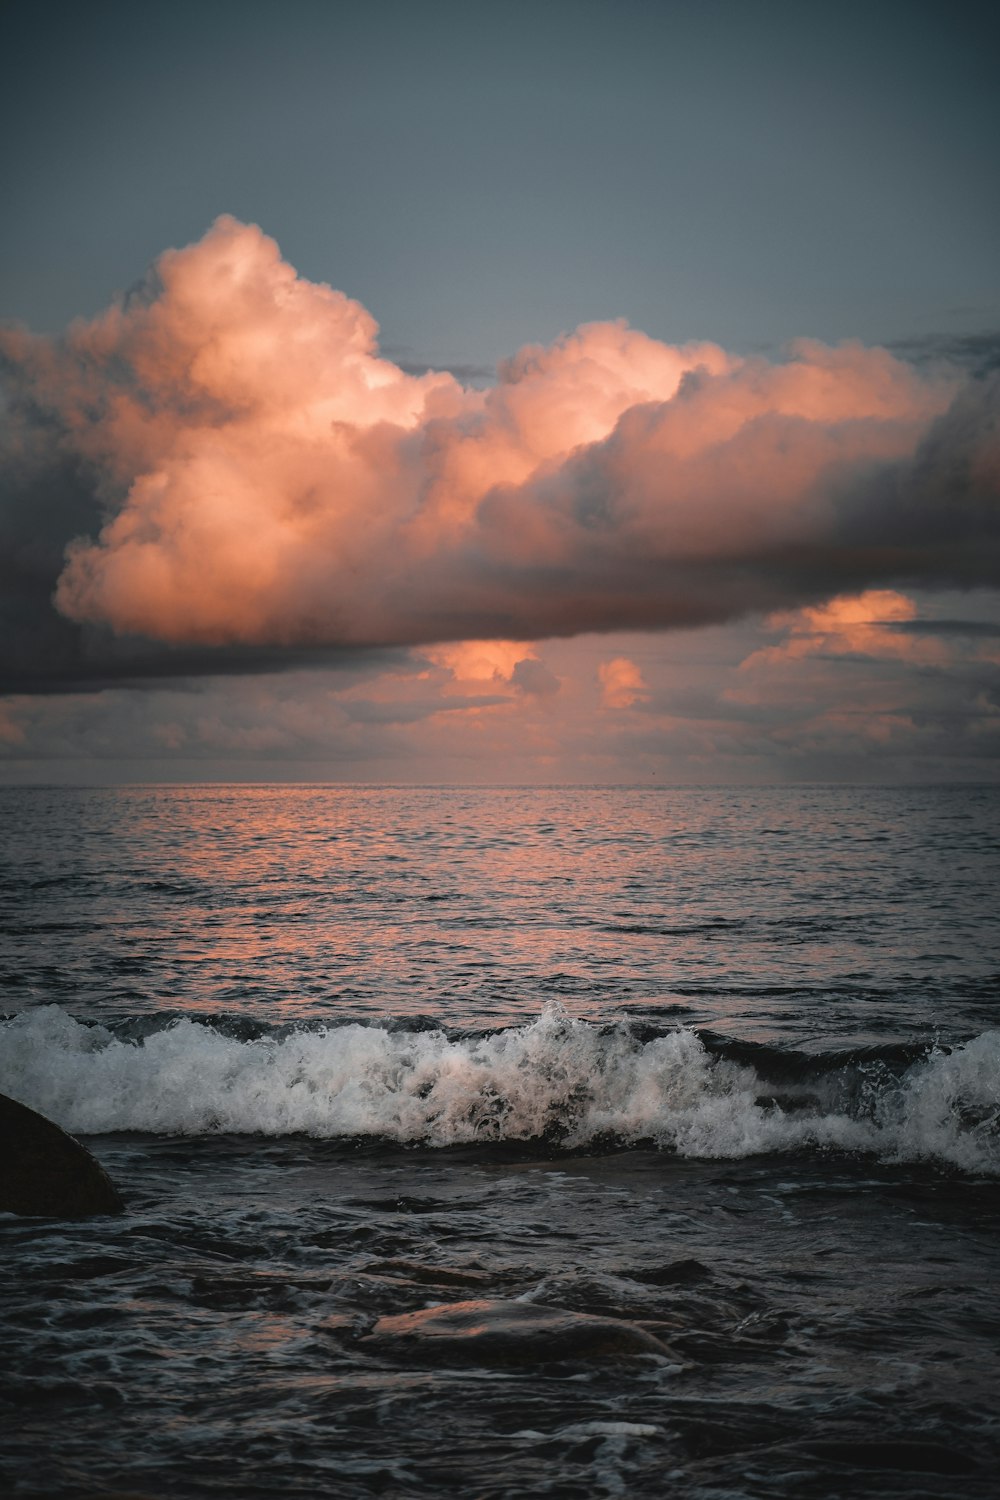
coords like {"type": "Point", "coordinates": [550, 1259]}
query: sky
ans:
{"type": "Point", "coordinates": [480, 393]}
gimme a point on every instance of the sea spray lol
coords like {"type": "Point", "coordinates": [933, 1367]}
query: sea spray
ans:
{"type": "Point", "coordinates": [568, 1081]}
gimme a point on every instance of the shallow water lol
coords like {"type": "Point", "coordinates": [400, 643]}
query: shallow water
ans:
{"type": "Point", "coordinates": [718, 1064]}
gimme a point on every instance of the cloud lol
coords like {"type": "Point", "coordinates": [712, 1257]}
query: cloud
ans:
{"type": "Point", "coordinates": [235, 472]}
{"type": "Point", "coordinates": [850, 679]}
{"type": "Point", "coordinates": [481, 667]}
{"type": "Point", "coordinates": [716, 704]}
{"type": "Point", "coordinates": [866, 624]}
{"type": "Point", "coordinates": [987, 628]}
{"type": "Point", "coordinates": [533, 678]}
{"type": "Point", "coordinates": [622, 683]}
{"type": "Point", "coordinates": [979, 352]}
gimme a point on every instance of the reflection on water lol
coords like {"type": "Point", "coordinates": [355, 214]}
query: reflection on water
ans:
{"type": "Point", "coordinates": [482, 904]}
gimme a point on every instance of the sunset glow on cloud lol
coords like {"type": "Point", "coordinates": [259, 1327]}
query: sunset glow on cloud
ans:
{"type": "Point", "coordinates": [861, 624]}
{"type": "Point", "coordinates": [266, 477]}
{"type": "Point", "coordinates": [621, 683]}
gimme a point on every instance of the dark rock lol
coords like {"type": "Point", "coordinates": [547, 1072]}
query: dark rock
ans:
{"type": "Point", "coordinates": [495, 1333]}
{"type": "Point", "coordinates": [45, 1172]}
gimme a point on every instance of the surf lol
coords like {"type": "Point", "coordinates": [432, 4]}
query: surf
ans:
{"type": "Point", "coordinates": [558, 1078]}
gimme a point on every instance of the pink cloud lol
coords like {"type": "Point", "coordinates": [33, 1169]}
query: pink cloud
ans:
{"type": "Point", "coordinates": [480, 666]}
{"type": "Point", "coordinates": [622, 683]}
{"type": "Point", "coordinates": [853, 625]}
{"type": "Point", "coordinates": [267, 477]}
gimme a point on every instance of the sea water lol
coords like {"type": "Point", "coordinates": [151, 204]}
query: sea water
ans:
{"type": "Point", "coordinates": [720, 1066]}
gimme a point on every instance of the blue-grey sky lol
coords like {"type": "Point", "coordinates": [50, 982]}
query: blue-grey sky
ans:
{"type": "Point", "coordinates": [484, 175]}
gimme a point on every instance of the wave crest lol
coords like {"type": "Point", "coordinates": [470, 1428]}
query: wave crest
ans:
{"type": "Point", "coordinates": [558, 1078]}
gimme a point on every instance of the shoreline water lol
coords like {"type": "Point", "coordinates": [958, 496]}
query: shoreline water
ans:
{"type": "Point", "coordinates": [723, 1072]}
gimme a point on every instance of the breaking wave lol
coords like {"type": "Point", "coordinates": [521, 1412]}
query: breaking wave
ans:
{"type": "Point", "coordinates": [567, 1081]}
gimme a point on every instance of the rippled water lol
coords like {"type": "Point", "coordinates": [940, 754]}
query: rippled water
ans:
{"type": "Point", "coordinates": [720, 1066]}
{"type": "Point", "coordinates": [476, 907]}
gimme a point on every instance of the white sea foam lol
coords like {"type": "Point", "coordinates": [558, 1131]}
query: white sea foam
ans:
{"type": "Point", "coordinates": [556, 1076]}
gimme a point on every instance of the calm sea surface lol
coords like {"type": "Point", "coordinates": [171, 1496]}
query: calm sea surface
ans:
{"type": "Point", "coordinates": [566, 1142]}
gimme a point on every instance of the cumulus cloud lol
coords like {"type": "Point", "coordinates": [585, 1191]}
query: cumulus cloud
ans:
{"type": "Point", "coordinates": [866, 624]}
{"type": "Point", "coordinates": [622, 683]}
{"type": "Point", "coordinates": [231, 466]}
{"type": "Point", "coordinates": [482, 667]}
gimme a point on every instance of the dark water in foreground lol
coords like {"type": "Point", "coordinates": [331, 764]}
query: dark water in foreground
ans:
{"type": "Point", "coordinates": [719, 1066]}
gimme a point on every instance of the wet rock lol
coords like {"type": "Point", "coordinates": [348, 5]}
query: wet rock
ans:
{"type": "Point", "coordinates": [494, 1332]}
{"type": "Point", "coordinates": [45, 1172]}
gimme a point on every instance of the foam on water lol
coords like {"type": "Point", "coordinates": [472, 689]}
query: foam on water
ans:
{"type": "Point", "coordinates": [560, 1078]}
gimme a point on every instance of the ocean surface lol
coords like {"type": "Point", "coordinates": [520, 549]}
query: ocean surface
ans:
{"type": "Point", "coordinates": [559, 1142]}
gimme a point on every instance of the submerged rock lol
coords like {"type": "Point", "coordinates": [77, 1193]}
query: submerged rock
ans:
{"type": "Point", "coordinates": [495, 1332]}
{"type": "Point", "coordinates": [45, 1172]}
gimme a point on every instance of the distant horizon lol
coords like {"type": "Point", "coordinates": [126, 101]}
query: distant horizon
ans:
{"type": "Point", "coordinates": [504, 786]}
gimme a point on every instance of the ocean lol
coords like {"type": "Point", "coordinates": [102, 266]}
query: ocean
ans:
{"type": "Point", "coordinates": [566, 1142]}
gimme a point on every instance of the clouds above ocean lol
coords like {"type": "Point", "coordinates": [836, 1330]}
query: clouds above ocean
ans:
{"type": "Point", "coordinates": [223, 460]}
{"type": "Point", "coordinates": [839, 691]}
{"type": "Point", "coordinates": [236, 535]}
